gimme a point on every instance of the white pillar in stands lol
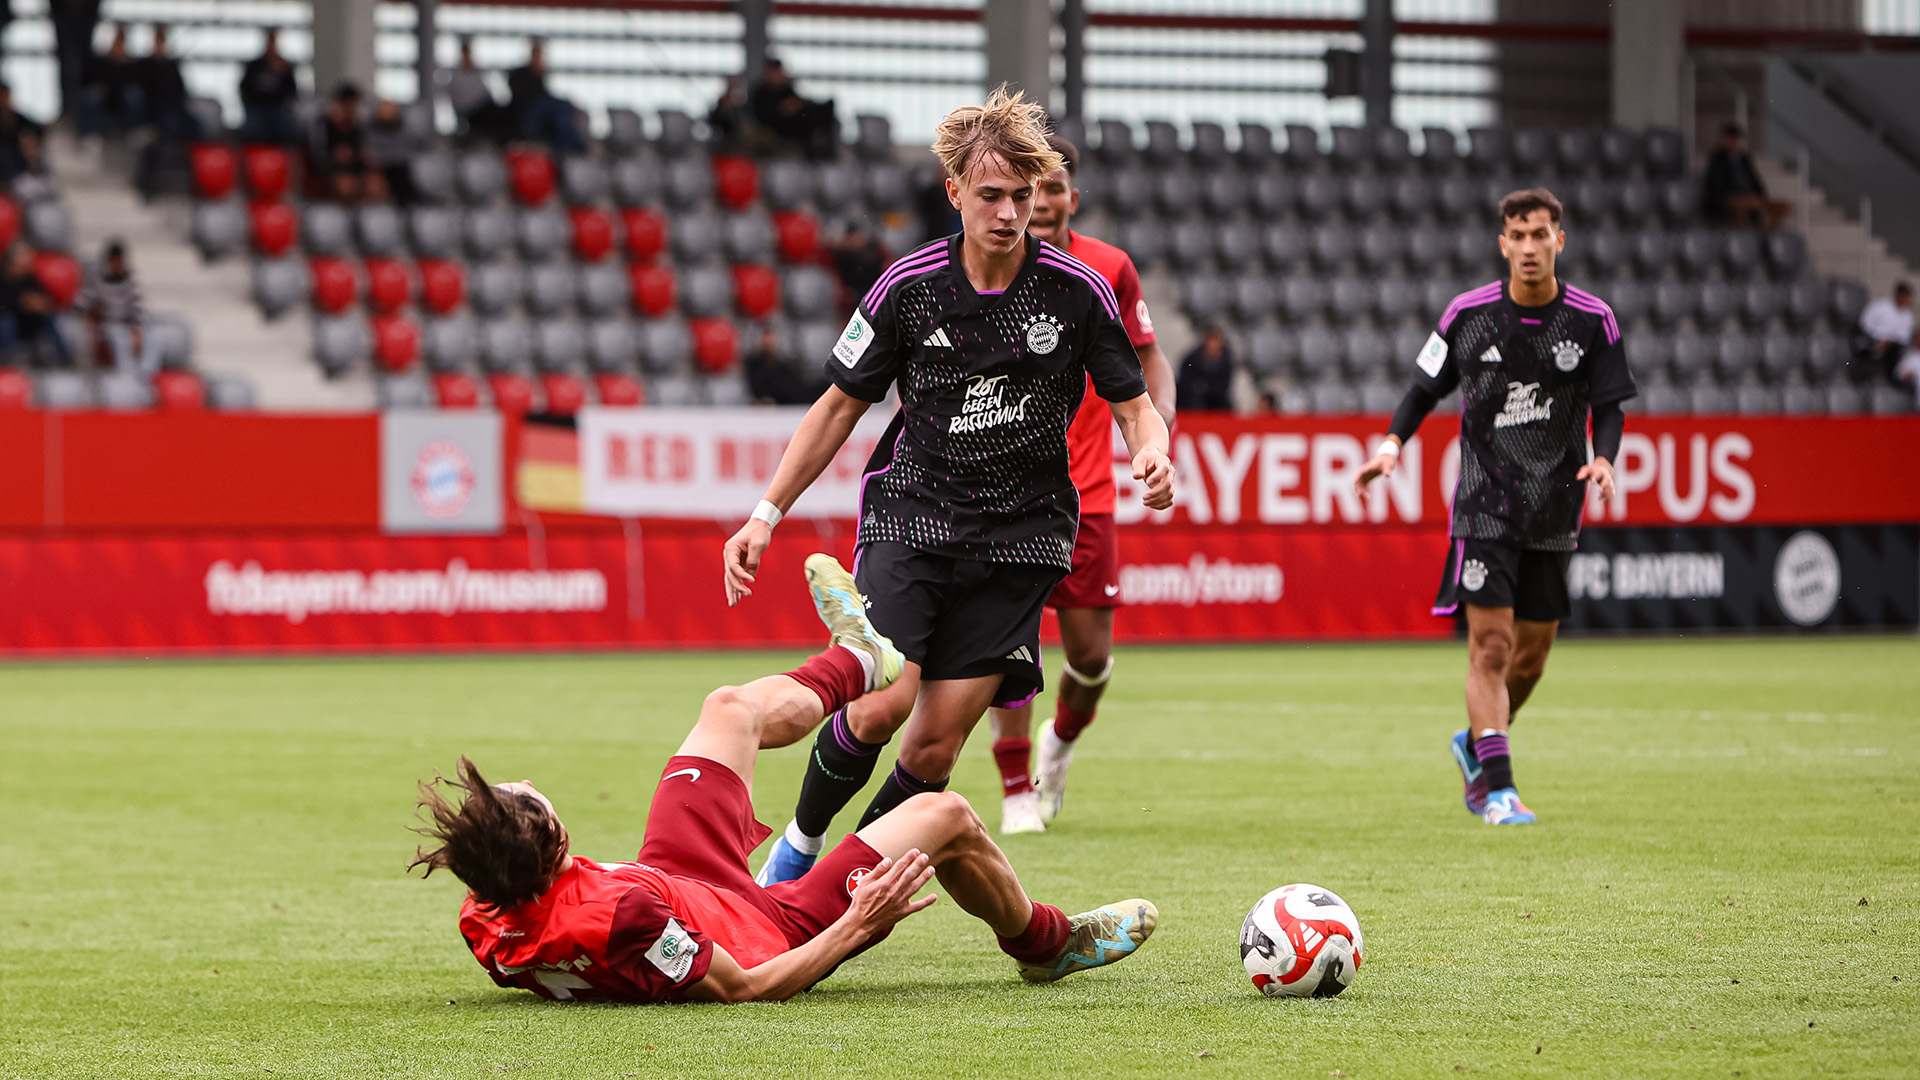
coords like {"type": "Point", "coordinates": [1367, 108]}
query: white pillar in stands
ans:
{"type": "Point", "coordinates": [1649, 45]}
{"type": "Point", "coordinates": [1020, 47]}
{"type": "Point", "coordinates": [343, 45]}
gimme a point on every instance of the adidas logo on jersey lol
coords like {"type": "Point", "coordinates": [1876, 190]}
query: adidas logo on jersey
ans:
{"type": "Point", "coordinates": [938, 339]}
{"type": "Point", "coordinates": [1021, 653]}
{"type": "Point", "coordinates": [1491, 356]}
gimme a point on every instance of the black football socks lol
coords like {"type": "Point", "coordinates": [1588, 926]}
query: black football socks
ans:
{"type": "Point", "coordinates": [838, 768]}
{"type": "Point", "coordinates": [899, 786]}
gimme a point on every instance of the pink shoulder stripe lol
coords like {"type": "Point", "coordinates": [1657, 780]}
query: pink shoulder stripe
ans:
{"type": "Point", "coordinates": [915, 263]}
{"type": "Point", "coordinates": [1582, 300]}
{"type": "Point", "coordinates": [1485, 294]}
{"type": "Point", "coordinates": [1099, 284]}
{"type": "Point", "coordinates": [1100, 279]}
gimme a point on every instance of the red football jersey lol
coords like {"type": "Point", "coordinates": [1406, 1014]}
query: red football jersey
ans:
{"type": "Point", "coordinates": [1090, 436]}
{"type": "Point", "coordinates": [618, 932]}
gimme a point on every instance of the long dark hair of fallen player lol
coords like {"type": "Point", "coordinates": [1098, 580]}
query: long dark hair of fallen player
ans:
{"type": "Point", "coordinates": [506, 847]}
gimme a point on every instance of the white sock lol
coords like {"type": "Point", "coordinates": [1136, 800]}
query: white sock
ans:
{"type": "Point", "coordinates": [867, 663]}
{"type": "Point", "coordinates": [1050, 741]}
{"type": "Point", "coordinates": [801, 842]}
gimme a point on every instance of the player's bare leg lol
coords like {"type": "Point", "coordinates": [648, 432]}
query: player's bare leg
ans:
{"type": "Point", "coordinates": [1490, 653]}
{"type": "Point", "coordinates": [944, 715]}
{"type": "Point", "coordinates": [1087, 637]}
{"type": "Point", "coordinates": [1013, 756]}
{"type": "Point", "coordinates": [1531, 643]}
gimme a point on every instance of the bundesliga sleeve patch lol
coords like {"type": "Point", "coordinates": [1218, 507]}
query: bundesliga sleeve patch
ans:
{"type": "Point", "coordinates": [673, 954]}
{"type": "Point", "coordinates": [1432, 355]}
{"type": "Point", "coordinates": [853, 340]}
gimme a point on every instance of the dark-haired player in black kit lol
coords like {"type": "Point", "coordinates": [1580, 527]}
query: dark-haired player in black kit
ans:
{"type": "Point", "coordinates": [1531, 357]}
{"type": "Point", "coordinates": [968, 512]}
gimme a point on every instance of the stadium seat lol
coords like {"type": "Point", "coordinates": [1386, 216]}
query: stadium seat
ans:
{"type": "Point", "coordinates": [1606, 251]}
{"type": "Point", "coordinates": [1618, 151]}
{"type": "Point", "coordinates": [449, 344]}
{"type": "Point", "coordinates": [1320, 351]}
{"type": "Point", "coordinates": [676, 133]}
{"type": "Point", "coordinates": [278, 284]}
{"type": "Point", "coordinates": [480, 177]}
{"type": "Point", "coordinates": [1693, 353]}
{"type": "Point", "coordinates": [1786, 254]}
{"type": "Point", "coordinates": [325, 229]}
{"type": "Point", "coordinates": [716, 344]}
{"type": "Point", "coordinates": [530, 175]}
{"type": "Point", "coordinates": [268, 172]}
{"type": "Point", "coordinates": [1806, 301]}
{"type": "Point", "coordinates": [1845, 399]}
{"type": "Point", "coordinates": [1589, 201]}
{"type": "Point", "coordinates": [602, 289]}
{"type": "Point", "coordinates": [748, 237]}
{"type": "Point", "coordinates": [1782, 353]}
{"type": "Point", "coordinates": [1391, 147]}
{"type": "Point", "coordinates": [505, 345]}
{"type": "Point", "coordinates": [558, 345]}
{"type": "Point", "coordinates": [1273, 194]}
{"type": "Point", "coordinates": [1709, 397]}
{"type": "Point", "coordinates": [396, 342]}
{"type": "Point", "coordinates": [16, 390]}
{"type": "Point", "coordinates": [1826, 354]}
{"type": "Point", "coordinates": [1379, 394]}
{"type": "Point", "coordinates": [1529, 149]}
{"type": "Point", "coordinates": [1575, 150]}
{"type": "Point", "coordinates": [1365, 348]}
{"type": "Point", "coordinates": [836, 186]}
{"type": "Point", "coordinates": [214, 170]}
{"type": "Point", "coordinates": [563, 392]}
{"type": "Point", "coordinates": [1143, 240]}
{"type": "Point", "coordinates": [1629, 300]}
{"type": "Point", "coordinates": [1846, 298]}
{"type": "Point", "coordinates": [1648, 355]}
{"type": "Point", "coordinates": [583, 181]}
{"type": "Point", "coordinates": [1717, 302]}
{"type": "Point", "coordinates": [1407, 340]}
{"type": "Point", "coordinates": [636, 182]}
{"type": "Point", "coordinates": [340, 342]}
{"type": "Point", "coordinates": [1317, 196]}
{"type": "Point", "coordinates": [454, 390]}
{"type": "Point", "coordinates": [1476, 250]}
{"type": "Point", "coordinates": [1129, 192]}
{"type": "Point", "coordinates": [494, 288]}
{"type": "Point", "coordinates": [540, 234]}
{"type": "Point", "coordinates": [1350, 149]}
{"type": "Point", "coordinates": [706, 291]}
{"type": "Point", "coordinates": [1302, 297]}
{"type": "Point", "coordinates": [403, 392]}
{"type": "Point", "coordinates": [1395, 298]}
{"type": "Point", "coordinates": [388, 287]}
{"type": "Point", "coordinates": [785, 185]}
{"type": "Point", "coordinates": [550, 288]}
{"type": "Point", "coordinates": [175, 390]}
{"type": "Point", "coordinates": [379, 230]}
{"type": "Point", "coordinates": [1459, 199]}
{"type": "Point", "coordinates": [810, 292]}
{"type": "Point", "coordinates": [645, 232]}
{"type": "Point", "coordinates": [513, 393]}
{"type": "Point", "coordinates": [1331, 245]}
{"type": "Point", "coordinates": [1660, 397]}
{"type": "Point", "coordinates": [1633, 201]}
{"type": "Point", "coordinates": [814, 341]}
{"type": "Point", "coordinates": [1209, 143]}
{"type": "Point", "coordinates": [1429, 248]}
{"type": "Point", "coordinates": [611, 346]}
{"type": "Point", "coordinates": [123, 392]}
{"type": "Point", "coordinates": [1884, 400]}
{"type": "Point", "coordinates": [1256, 144]}
{"type": "Point", "coordinates": [626, 132]}
{"type": "Point", "coordinates": [1674, 301]}
{"type": "Point", "coordinates": [1651, 252]}
{"type": "Point", "coordinates": [63, 391]}
{"type": "Point", "coordinates": [1439, 150]}
{"type": "Point", "coordinates": [488, 232]}
{"type": "Point", "coordinates": [1205, 296]}
{"type": "Point", "coordinates": [697, 237]}
{"type": "Point", "coordinates": [1283, 244]}
{"type": "Point", "coordinates": [9, 222]}
{"type": "Point", "coordinates": [1740, 254]}
{"type": "Point", "coordinates": [59, 274]}
{"type": "Point", "coordinates": [756, 290]}
{"type": "Point", "coordinates": [1270, 351]}
{"type": "Point", "coordinates": [1352, 298]}
{"type": "Point", "coordinates": [1163, 142]}
{"type": "Point", "coordinates": [1411, 196]}
{"type": "Point", "coordinates": [443, 285]}
{"type": "Point", "coordinates": [1665, 153]}
{"type": "Point", "coordinates": [688, 182]}
{"type": "Point", "coordinates": [592, 233]}
{"type": "Point", "coordinates": [1189, 245]}
{"type": "Point", "coordinates": [873, 139]}
{"type": "Point", "coordinates": [1679, 202]}
{"type": "Point", "coordinates": [797, 235]}
{"type": "Point", "coordinates": [333, 283]}
{"type": "Point", "coordinates": [655, 288]}
{"type": "Point", "coordinates": [619, 390]}
{"type": "Point", "coordinates": [1253, 296]}
{"type": "Point", "coordinates": [885, 186]}
{"type": "Point", "coordinates": [1116, 142]}
{"type": "Point", "coordinates": [173, 339]}
{"type": "Point", "coordinates": [1760, 302]}
{"type": "Point", "coordinates": [433, 177]}
{"type": "Point", "coordinates": [1381, 246]}
{"type": "Point", "coordinates": [1333, 397]}
{"type": "Point", "coordinates": [1487, 149]}
{"type": "Point", "coordinates": [218, 229]}
{"type": "Point", "coordinates": [1365, 197]}
{"type": "Point", "coordinates": [736, 181]}
{"type": "Point", "coordinates": [1736, 353]}
{"type": "Point", "coordinates": [434, 232]}
{"type": "Point", "coordinates": [1303, 147]}
{"type": "Point", "coordinates": [1236, 245]}
{"type": "Point", "coordinates": [1799, 399]}
{"type": "Point", "coordinates": [1177, 192]}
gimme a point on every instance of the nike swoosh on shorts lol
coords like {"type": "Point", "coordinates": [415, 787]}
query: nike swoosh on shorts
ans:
{"type": "Point", "coordinates": [695, 773]}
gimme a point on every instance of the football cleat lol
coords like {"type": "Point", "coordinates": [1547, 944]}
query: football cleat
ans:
{"type": "Point", "coordinates": [1051, 775]}
{"type": "Point", "coordinates": [844, 611]}
{"type": "Point", "coordinates": [1021, 814]}
{"type": "Point", "coordinates": [1470, 774]}
{"type": "Point", "coordinates": [1505, 808]}
{"type": "Point", "coordinates": [1096, 938]}
{"type": "Point", "coordinates": [784, 863]}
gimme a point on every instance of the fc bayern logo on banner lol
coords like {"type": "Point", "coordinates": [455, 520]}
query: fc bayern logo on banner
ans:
{"type": "Point", "coordinates": [442, 479]}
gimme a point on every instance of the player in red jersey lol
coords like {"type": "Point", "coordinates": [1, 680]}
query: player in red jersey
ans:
{"type": "Point", "coordinates": [684, 921]}
{"type": "Point", "coordinates": [1084, 600]}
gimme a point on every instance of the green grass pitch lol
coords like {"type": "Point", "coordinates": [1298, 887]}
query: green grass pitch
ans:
{"type": "Point", "coordinates": [201, 872]}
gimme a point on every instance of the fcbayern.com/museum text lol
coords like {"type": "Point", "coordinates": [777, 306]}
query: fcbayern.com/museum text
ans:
{"type": "Point", "coordinates": [295, 594]}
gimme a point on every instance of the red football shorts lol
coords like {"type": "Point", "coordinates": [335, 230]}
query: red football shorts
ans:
{"type": "Point", "coordinates": [701, 826]}
{"type": "Point", "coordinates": [1094, 581]}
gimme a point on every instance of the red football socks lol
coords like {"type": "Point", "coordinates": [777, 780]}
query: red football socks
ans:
{"type": "Point", "coordinates": [1014, 757]}
{"type": "Point", "coordinates": [836, 676]}
{"type": "Point", "coordinates": [1069, 723]}
{"type": "Point", "coordinates": [1042, 940]}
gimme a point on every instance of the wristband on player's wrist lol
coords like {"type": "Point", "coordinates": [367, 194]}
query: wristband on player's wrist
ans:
{"type": "Point", "coordinates": [768, 513]}
{"type": "Point", "coordinates": [1388, 447]}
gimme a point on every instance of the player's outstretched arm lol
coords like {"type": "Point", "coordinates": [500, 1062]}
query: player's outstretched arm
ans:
{"type": "Point", "coordinates": [1147, 441]}
{"type": "Point", "coordinates": [884, 897]}
{"type": "Point", "coordinates": [822, 433]}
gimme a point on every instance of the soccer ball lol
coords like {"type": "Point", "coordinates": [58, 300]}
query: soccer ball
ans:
{"type": "Point", "coordinates": [1301, 941]}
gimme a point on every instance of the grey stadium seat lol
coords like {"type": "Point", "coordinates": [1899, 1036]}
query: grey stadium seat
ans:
{"type": "Point", "coordinates": [1674, 301]}
{"type": "Point", "coordinates": [1204, 297]}
{"type": "Point", "coordinates": [1283, 245]}
{"type": "Point", "coordinates": [1351, 297]}
{"type": "Point", "coordinates": [1350, 149]}
{"type": "Point", "coordinates": [1710, 398]}
{"type": "Point", "coordinates": [696, 237]}
{"type": "Point", "coordinates": [1806, 301]}
{"type": "Point", "coordinates": [541, 234]}
{"type": "Point", "coordinates": [636, 182]}
{"type": "Point", "coordinates": [1890, 400]}
{"type": "Point", "coordinates": [673, 390]}
{"type": "Point", "coordinates": [550, 288]}
{"type": "Point", "coordinates": [809, 292]}
{"type": "Point", "coordinates": [1303, 146]}
{"type": "Point", "coordinates": [1407, 343]}
{"type": "Point", "coordinates": [1176, 191]}
{"type": "Point", "coordinates": [1607, 251]}
{"type": "Point", "coordinates": [728, 389]}
{"type": "Point", "coordinates": [1395, 297]}
{"type": "Point", "coordinates": [1693, 353]}
{"type": "Point", "coordinates": [1786, 254]}
{"type": "Point", "coordinates": [1331, 244]}
{"type": "Point", "coordinates": [49, 225]}
{"type": "Point", "coordinates": [1254, 296]}
{"type": "Point", "coordinates": [1429, 248]}
{"type": "Point", "coordinates": [706, 291]}
{"type": "Point", "coordinates": [676, 133]}
{"type": "Point", "coordinates": [340, 342]}
{"type": "Point", "coordinates": [63, 391]}
{"type": "Point", "coordinates": [279, 285]}
{"type": "Point", "coordinates": [1411, 196]}
{"type": "Point", "coordinates": [626, 132]}
{"type": "Point", "coordinates": [1392, 148]}
{"type": "Point", "coordinates": [1736, 353]}
{"type": "Point", "coordinates": [1365, 348]}
{"type": "Point", "coordinates": [874, 140]}
{"type": "Point", "coordinates": [1665, 153]}
{"type": "Point", "coordinates": [1144, 240]}
{"type": "Point", "coordinates": [813, 342]}
{"type": "Point", "coordinates": [667, 347]}
{"type": "Point", "coordinates": [1648, 355]}
{"type": "Point", "coordinates": [1633, 200]}
{"type": "Point", "coordinates": [1270, 350]}
{"type": "Point", "coordinates": [1717, 301]}
{"type": "Point", "coordinates": [1476, 249]}
{"type": "Point", "coordinates": [1439, 150]}
{"type": "Point", "coordinates": [749, 237]}
{"type": "Point", "coordinates": [1459, 198]}
{"type": "Point", "coordinates": [1129, 191]}
{"type": "Point", "coordinates": [1224, 191]}
{"type": "Point", "coordinates": [1663, 398]}
{"type": "Point", "coordinates": [583, 181]}
{"type": "Point", "coordinates": [481, 177]}
{"type": "Point", "coordinates": [1845, 399]}
{"type": "Point", "coordinates": [836, 186]}
{"type": "Point", "coordinates": [1740, 254]}
{"type": "Point", "coordinates": [1302, 297]}
{"type": "Point", "coordinates": [1760, 302]}
{"type": "Point", "coordinates": [1590, 201]}
{"type": "Point", "coordinates": [449, 344]}
{"type": "Point", "coordinates": [1379, 395]}
{"type": "Point", "coordinates": [402, 392]}
{"type": "Point", "coordinates": [219, 229]}
{"type": "Point", "coordinates": [1365, 196]}
{"type": "Point", "coordinates": [611, 346]}
{"type": "Point", "coordinates": [173, 339]}
{"type": "Point", "coordinates": [558, 345]}
{"type": "Point", "coordinates": [1273, 193]}
{"type": "Point", "coordinates": [229, 393]}
{"type": "Point", "coordinates": [1116, 141]}
{"type": "Point", "coordinates": [488, 232]}
{"type": "Point", "coordinates": [1826, 354]}
{"type": "Point", "coordinates": [324, 229]}
{"type": "Point", "coordinates": [1619, 151]}
{"type": "Point", "coordinates": [1190, 244]}
{"type": "Point", "coordinates": [1529, 149]}
{"type": "Point", "coordinates": [1256, 144]}
{"type": "Point", "coordinates": [1333, 397]}
{"type": "Point", "coordinates": [1209, 143]}
{"type": "Point", "coordinates": [433, 177]}
{"type": "Point", "coordinates": [885, 186]}
{"type": "Point", "coordinates": [1487, 149]}
{"type": "Point", "coordinates": [379, 229]}
{"type": "Point", "coordinates": [1651, 252]}
{"type": "Point", "coordinates": [1575, 150]}
{"type": "Point", "coordinates": [1782, 353]}
{"type": "Point", "coordinates": [1381, 246]}
{"type": "Point", "coordinates": [1320, 350]}
{"type": "Point", "coordinates": [1163, 141]}
{"type": "Point", "coordinates": [1236, 244]}
{"type": "Point", "coordinates": [1799, 399]}
{"type": "Point", "coordinates": [1317, 195]}
{"type": "Point", "coordinates": [123, 392]}
{"type": "Point", "coordinates": [434, 231]}
{"type": "Point", "coordinates": [1436, 292]}
{"type": "Point", "coordinates": [1627, 298]}
{"type": "Point", "coordinates": [505, 345]}
{"type": "Point", "coordinates": [688, 182]}
{"type": "Point", "coordinates": [785, 185]}
{"type": "Point", "coordinates": [1845, 299]}
{"type": "Point", "coordinates": [494, 288]}
{"type": "Point", "coordinates": [602, 289]}
{"type": "Point", "coordinates": [1679, 201]}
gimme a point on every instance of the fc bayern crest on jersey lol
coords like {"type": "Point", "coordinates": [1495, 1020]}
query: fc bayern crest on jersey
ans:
{"type": "Point", "coordinates": [1043, 334]}
{"type": "Point", "coordinates": [1566, 355]}
{"type": "Point", "coordinates": [442, 479]}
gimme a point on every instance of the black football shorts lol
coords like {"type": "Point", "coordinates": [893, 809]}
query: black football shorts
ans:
{"type": "Point", "coordinates": [958, 618]}
{"type": "Point", "coordinates": [1489, 573]}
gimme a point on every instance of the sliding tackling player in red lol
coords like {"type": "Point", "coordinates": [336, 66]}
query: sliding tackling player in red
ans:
{"type": "Point", "coordinates": [684, 921]}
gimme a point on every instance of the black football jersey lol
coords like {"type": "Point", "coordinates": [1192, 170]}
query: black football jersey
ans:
{"type": "Point", "coordinates": [974, 464]}
{"type": "Point", "coordinates": [1527, 377]}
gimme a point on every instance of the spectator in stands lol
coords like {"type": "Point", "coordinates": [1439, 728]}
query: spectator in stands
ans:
{"type": "Point", "coordinates": [268, 91]}
{"type": "Point", "coordinates": [15, 131]}
{"type": "Point", "coordinates": [809, 125]}
{"type": "Point", "coordinates": [337, 154]}
{"type": "Point", "coordinates": [35, 182]}
{"type": "Point", "coordinates": [731, 118]}
{"type": "Point", "coordinates": [392, 146]}
{"type": "Point", "coordinates": [116, 319]}
{"type": "Point", "coordinates": [1206, 374]}
{"type": "Point", "coordinates": [471, 97]}
{"type": "Point", "coordinates": [165, 91]}
{"type": "Point", "coordinates": [110, 96]}
{"type": "Point", "coordinates": [1887, 323]}
{"type": "Point", "coordinates": [775, 379]}
{"type": "Point", "coordinates": [73, 23]}
{"type": "Point", "coordinates": [857, 258]}
{"type": "Point", "coordinates": [537, 114]}
{"type": "Point", "coordinates": [27, 309]}
{"type": "Point", "coordinates": [1734, 192]}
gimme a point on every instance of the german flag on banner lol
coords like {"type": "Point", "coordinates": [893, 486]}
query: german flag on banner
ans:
{"type": "Point", "coordinates": [547, 473]}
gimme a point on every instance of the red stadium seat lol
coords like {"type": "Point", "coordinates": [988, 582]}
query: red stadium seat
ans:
{"type": "Point", "coordinates": [333, 284]}
{"type": "Point", "coordinates": [213, 170]}
{"type": "Point", "coordinates": [455, 390]}
{"type": "Point", "coordinates": [268, 172]}
{"type": "Point", "coordinates": [736, 181]}
{"type": "Point", "coordinates": [443, 285]}
{"type": "Point", "coordinates": [646, 233]}
{"type": "Point", "coordinates": [756, 290]}
{"type": "Point", "coordinates": [619, 390]}
{"type": "Point", "coordinates": [9, 222]}
{"type": "Point", "coordinates": [799, 235]}
{"type": "Point", "coordinates": [396, 342]}
{"type": "Point", "coordinates": [16, 390]}
{"type": "Point", "coordinates": [654, 289]}
{"type": "Point", "coordinates": [716, 344]}
{"type": "Point", "coordinates": [512, 393]}
{"type": "Point", "coordinates": [530, 173]}
{"type": "Point", "coordinates": [179, 391]}
{"type": "Point", "coordinates": [592, 233]}
{"type": "Point", "coordinates": [565, 393]}
{"type": "Point", "coordinates": [59, 274]}
{"type": "Point", "coordinates": [387, 286]}
{"type": "Point", "coordinates": [274, 228]}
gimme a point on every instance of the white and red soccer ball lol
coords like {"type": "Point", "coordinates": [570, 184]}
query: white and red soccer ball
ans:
{"type": "Point", "coordinates": [1301, 941]}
